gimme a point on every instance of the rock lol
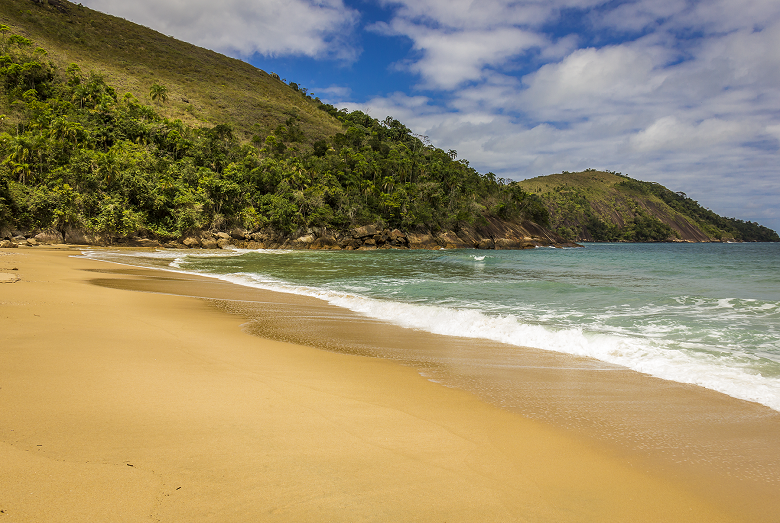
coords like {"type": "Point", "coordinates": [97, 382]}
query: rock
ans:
{"type": "Point", "coordinates": [365, 231]}
{"type": "Point", "coordinates": [449, 240]}
{"type": "Point", "coordinates": [239, 234]}
{"type": "Point", "coordinates": [382, 236]}
{"type": "Point", "coordinates": [31, 242]}
{"type": "Point", "coordinates": [326, 243]}
{"type": "Point", "coordinates": [398, 236]}
{"type": "Point", "coordinates": [191, 242]}
{"type": "Point", "coordinates": [303, 242]}
{"type": "Point", "coordinates": [49, 237]}
{"type": "Point", "coordinates": [259, 237]}
{"type": "Point", "coordinates": [469, 236]}
{"type": "Point", "coordinates": [7, 244]}
{"type": "Point", "coordinates": [209, 243]}
{"type": "Point", "coordinates": [486, 243]}
{"type": "Point", "coordinates": [223, 243]}
{"type": "Point", "coordinates": [507, 243]}
{"type": "Point", "coordinates": [350, 244]}
{"type": "Point", "coordinates": [515, 243]}
{"type": "Point", "coordinates": [19, 238]}
{"type": "Point", "coordinates": [222, 236]}
{"type": "Point", "coordinates": [369, 242]}
{"type": "Point", "coordinates": [421, 241]}
{"type": "Point", "coordinates": [79, 237]}
{"type": "Point", "coordinates": [147, 242]}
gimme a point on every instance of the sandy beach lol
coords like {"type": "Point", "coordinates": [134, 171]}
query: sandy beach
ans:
{"type": "Point", "coordinates": [117, 405]}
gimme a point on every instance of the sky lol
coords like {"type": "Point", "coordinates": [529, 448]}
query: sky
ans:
{"type": "Point", "coordinates": [681, 92]}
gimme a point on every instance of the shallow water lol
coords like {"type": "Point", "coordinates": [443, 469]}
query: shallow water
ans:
{"type": "Point", "coordinates": [705, 314]}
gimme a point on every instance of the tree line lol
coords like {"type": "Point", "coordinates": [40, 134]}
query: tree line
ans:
{"type": "Point", "coordinates": [76, 154]}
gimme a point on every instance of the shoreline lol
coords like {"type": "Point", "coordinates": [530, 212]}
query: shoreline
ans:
{"type": "Point", "coordinates": [168, 401]}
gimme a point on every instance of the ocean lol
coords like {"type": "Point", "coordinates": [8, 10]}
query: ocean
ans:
{"type": "Point", "coordinates": [704, 314]}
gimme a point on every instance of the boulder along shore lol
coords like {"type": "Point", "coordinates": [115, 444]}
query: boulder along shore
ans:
{"type": "Point", "coordinates": [493, 234]}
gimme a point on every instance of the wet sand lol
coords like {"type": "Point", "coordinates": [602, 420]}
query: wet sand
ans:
{"type": "Point", "coordinates": [134, 406]}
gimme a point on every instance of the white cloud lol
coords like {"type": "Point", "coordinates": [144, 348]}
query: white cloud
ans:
{"type": "Point", "coordinates": [690, 100]}
{"type": "Point", "coordinates": [335, 91]}
{"type": "Point", "coordinates": [451, 58]}
{"type": "Point", "coordinates": [458, 40]}
{"type": "Point", "coordinates": [470, 14]}
{"type": "Point", "coordinates": [592, 81]}
{"type": "Point", "coordinates": [671, 134]}
{"type": "Point", "coordinates": [239, 27]}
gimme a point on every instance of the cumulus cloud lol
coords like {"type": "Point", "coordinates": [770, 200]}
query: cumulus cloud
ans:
{"type": "Point", "coordinates": [315, 28]}
{"type": "Point", "coordinates": [684, 92]}
{"type": "Point", "coordinates": [452, 58]}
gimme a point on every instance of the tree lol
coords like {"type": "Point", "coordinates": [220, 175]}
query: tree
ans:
{"type": "Point", "coordinates": [158, 92]}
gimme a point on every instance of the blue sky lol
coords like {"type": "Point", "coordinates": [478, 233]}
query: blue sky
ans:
{"type": "Point", "coordinates": [682, 92]}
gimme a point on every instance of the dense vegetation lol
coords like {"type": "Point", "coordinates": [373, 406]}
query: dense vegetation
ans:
{"type": "Point", "coordinates": [608, 206]}
{"type": "Point", "coordinates": [76, 154]}
{"type": "Point", "coordinates": [715, 225]}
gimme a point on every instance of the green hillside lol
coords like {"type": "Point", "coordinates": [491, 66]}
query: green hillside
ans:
{"type": "Point", "coordinates": [606, 206]}
{"type": "Point", "coordinates": [204, 87]}
{"type": "Point", "coordinates": [80, 158]}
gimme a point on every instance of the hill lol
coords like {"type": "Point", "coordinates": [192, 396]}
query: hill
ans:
{"type": "Point", "coordinates": [79, 161]}
{"type": "Point", "coordinates": [204, 87]}
{"type": "Point", "coordinates": [607, 206]}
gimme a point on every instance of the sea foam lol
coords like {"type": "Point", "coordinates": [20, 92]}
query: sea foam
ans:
{"type": "Point", "coordinates": [642, 354]}
{"type": "Point", "coordinates": [647, 350]}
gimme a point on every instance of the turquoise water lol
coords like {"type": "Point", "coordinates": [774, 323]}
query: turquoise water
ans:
{"type": "Point", "coordinates": [707, 314]}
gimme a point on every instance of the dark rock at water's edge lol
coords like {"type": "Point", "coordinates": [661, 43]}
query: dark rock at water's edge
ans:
{"type": "Point", "coordinates": [491, 234]}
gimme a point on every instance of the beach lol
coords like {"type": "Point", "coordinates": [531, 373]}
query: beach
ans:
{"type": "Point", "coordinates": [119, 405]}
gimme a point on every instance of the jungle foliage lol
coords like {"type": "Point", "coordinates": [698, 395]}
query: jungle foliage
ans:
{"type": "Point", "coordinates": [74, 153]}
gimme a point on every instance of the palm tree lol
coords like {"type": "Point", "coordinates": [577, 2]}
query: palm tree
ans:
{"type": "Point", "coordinates": [159, 92]}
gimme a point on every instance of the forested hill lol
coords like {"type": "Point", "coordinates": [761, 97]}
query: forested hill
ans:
{"type": "Point", "coordinates": [203, 87]}
{"type": "Point", "coordinates": [608, 206]}
{"type": "Point", "coordinates": [85, 162]}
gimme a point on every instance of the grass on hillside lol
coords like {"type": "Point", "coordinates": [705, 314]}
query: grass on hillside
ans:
{"type": "Point", "coordinates": [204, 87]}
{"type": "Point", "coordinates": [609, 206]}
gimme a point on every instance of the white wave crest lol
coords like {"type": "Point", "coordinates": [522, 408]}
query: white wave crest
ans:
{"type": "Point", "coordinates": [639, 354]}
{"type": "Point", "coordinates": [642, 354]}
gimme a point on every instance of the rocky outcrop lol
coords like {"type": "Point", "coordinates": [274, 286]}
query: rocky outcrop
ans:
{"type": "Point", "coordinates": [491, 233]}
{"type": "Point", "coordinates": [81, 237]}
{"type": "Point", "coordinates": [50, 237]}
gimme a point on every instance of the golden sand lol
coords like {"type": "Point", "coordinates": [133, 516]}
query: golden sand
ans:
{"type": "Point", "coordinates": [131, 406]}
